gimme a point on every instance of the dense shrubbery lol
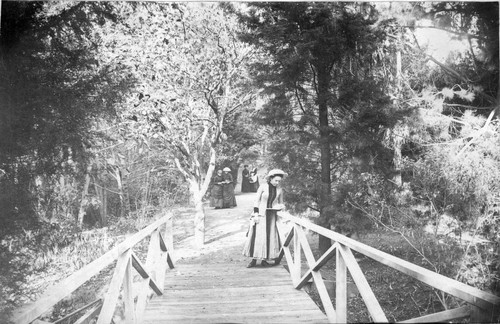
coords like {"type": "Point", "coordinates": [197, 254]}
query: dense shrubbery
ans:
{"type": "Point", "coordinates": [448, 208]}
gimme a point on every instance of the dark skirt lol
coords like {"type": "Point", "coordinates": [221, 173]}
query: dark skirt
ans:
{"type": "Point", "coordinates": [246, 186]}
{"type": "Point", "coordinates": [216, 198]}
{"type": "Point", "coordinates": [228, 198]}
{"type": "Point", "coordinates": [254, 186]}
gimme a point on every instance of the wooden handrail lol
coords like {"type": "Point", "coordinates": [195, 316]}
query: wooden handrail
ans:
{"type": "Point", "coordinates": [123, 253]}
{"type": "Point", "coordinates": [481, 303]}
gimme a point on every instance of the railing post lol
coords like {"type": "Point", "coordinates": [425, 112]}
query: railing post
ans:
{"type": "Point", "coordinates": [341, 288]}
{"type": "Point", "coordinates": [297, 257]}
{"type": "Point", "coordinates": [142, 298]}
{"type": "Point", "coordinates": [128, 294]}
{"type": "Point", "coordinates": [109, 305]}
{"type": "Point", "coordinates": [169, 235]}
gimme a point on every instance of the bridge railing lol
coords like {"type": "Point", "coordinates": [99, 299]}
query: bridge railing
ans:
{"type": "Point", "coordinates": [134, 295]}
{"type": "Point", "coordinates": [480, 307]}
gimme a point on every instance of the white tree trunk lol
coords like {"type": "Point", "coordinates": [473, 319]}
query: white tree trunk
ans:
{"type": "Point", "coordinates": [199, 215]}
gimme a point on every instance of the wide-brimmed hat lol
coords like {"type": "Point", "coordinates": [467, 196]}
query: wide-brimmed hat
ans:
{"type": "Point", "coordinates": [275, 172]}
{"type": "Point", "coordinates": [226, 169]}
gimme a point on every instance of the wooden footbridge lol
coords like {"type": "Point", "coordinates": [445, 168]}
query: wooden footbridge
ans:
{"type": "Point", "coordinates": [205, 290]}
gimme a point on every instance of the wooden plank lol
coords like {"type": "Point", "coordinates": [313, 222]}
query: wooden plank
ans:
{"type": "Point", "coordinates": [81, 309]}
{"type": "Point", "coordinates": [139, 267]}
{"type": "Point", "coordinates": [340, 287]}
{"type": "Point", "coordinates": [261, 306]}
{"type": "Point", "coordinates": [304, 280]}
{"type": "Point", "coordinates": [233, 274]}
{"type": "Point", "coordinates": [128, 294]}
{"type": "Point", "coordinates": [447, 315]}
{"type": "Point", "coordinates": [163, 246]}
{"type": "Point", "coordinates": [325, 258]}
{"type": "Point", "coordinates": [229, 290]}
{"type": "Point", "coordinates": [161, 267]}
{"type": "Point", "coordinates": [317, 266]}
{"type": "Point", "coordinates": [283, 239]}
{"type": "Point", "coordinates": [143, 293]}
{"type": "Point", "coordinates": [296, 267]}
{"type": "Point", "coordinates": [455, 288]}
{"type": "Point", "coordinates": [289, 261]}
{"type": "Point", "coordinates": [65, 287]}
{"type": "Point", "coordinates": [109, 305]}
{"type": "Point", "coordinates": [318, 279]}
{"type": "Point", "coordinates": [242, 299]}
{"type": "Point", "coordinates": [260, 319]}
{"type": "Point", "coordinates": [235, 291]}
{"type": "Point", "coordinates": [212, 318]}
{"type": "Point", "coordinates": [90, 315]}
{"type": "Point", "coordinates": [364, 288]}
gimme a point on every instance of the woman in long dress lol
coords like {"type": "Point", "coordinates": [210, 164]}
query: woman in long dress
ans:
{"type": "Point", "coordinates": [254, 180]}
{"type": "Point", "coordinates": [263, 241]}
{"type": "Point", "coordinates": [216, 197]}
{"type": "Point", "coordinates": [246, 186]}
{"type": "Point", "coordinates": [228, 198]}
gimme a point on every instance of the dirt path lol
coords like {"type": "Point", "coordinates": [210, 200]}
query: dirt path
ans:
{"type": "Point", "coordinates": [225, 234]}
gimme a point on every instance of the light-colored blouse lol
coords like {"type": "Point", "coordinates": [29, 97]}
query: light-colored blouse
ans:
{"type": "Point", "coordinates": [263, 195]}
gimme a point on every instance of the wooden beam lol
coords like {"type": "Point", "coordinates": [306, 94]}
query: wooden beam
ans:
{"type": "Point", "coordinates": [305, 279]}
{"type": "Point", "coordinates": [318, 280]}
{"type": "Point", "coordinates": [81, 309]}
{"type": "Point", "coordinates": [143, 293]}
{"type": "Point", "coordinates": [288, 255]}
{"type": "Point", "coordinates": [341, 288]}
{"type": "Point", "coordinates": [90, 315]}
{"type": "Point", "coordinates": [109, 305]}
{"type": "Point", "coordinates": [325, 257]}
{"type": "Point", "coordinates": [364, 288]}
{"type": "Point", "coordinates": [289, 237]}
{"type": "Point", "coordinates": [140, 268]}
{"type": "Point", "coordinates": [128, 294]}
{"type": "Point", "coordinates": [455, 288]}
{"type": "Point", "coordinates": [164, 248]}
{"type": "Point", "coordinates": [447, 315]}
{"type": "Point", "coordinates": [65, 287]}
{"type": "Point", "coordinates": [317, 265]}
{"type": "Point", "coordinates": [282, 239]}
{"type": "Point", "coordinates": [297, 256]}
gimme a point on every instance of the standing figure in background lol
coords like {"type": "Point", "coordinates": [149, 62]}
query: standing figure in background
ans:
{"type": "Point", "coordinates": [263, 242]}
{"type": "Point", "coordinates": [246, 186]}
{"type": "Point", "coordinates": [216, 198]}
{"type": "Point", "coordinates": [228, 198]}
{"type": "Point", "coordinates": [254, 180]}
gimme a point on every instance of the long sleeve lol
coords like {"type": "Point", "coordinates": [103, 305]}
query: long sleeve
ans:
{"type": "Point", "coordinates": [280, 197]}
{"type": "Point", "coordinates": [256, 203]}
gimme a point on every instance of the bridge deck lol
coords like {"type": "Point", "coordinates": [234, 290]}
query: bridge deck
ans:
{"type": "Point", "coordinates": [230, 293]}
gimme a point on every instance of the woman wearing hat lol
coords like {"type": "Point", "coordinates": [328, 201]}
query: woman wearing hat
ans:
{"type": "Point", "coordinates": [228, 198]}
{"type": "Point", "coordinates": [263, 242]}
